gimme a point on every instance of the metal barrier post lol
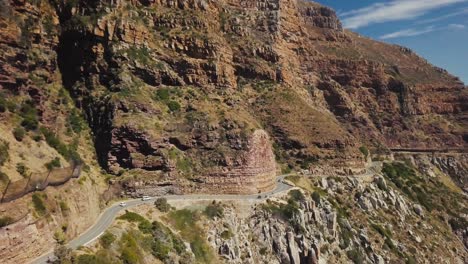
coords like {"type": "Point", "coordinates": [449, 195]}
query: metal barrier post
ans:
{"type": "Point", "coordinates": [5, 191]}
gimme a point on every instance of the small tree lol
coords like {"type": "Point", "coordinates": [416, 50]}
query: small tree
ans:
{"type": "Point", "coordinates": [19, 133]}
{"type": "Point", "coordinates": [55, 163]}
{"type": "Point", "coordinates": [107, 239]}
{"type": "Point", "coordinates": [173, 106]}
{"type": "Point", "coordinates": [364, 151]}
{"type": "Point", "coordinates": [214, 210]}
{"type": "Point", "coordinates": [22, 169]}
{"type": "Point", "coordinates": [63, 255]}
{"type": "Point", "coordinates": [316, 197]}
{"type": "Point", "coordinates": [162, 205]}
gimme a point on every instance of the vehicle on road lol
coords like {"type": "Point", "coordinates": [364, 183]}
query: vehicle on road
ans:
{"type": "Point", "coordinates": [145, 198]}
{"type": "Point", "coordinates": [122, 204]}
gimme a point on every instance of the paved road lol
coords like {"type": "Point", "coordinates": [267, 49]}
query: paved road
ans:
{"type": "Point", "coordinates": [107, 216]}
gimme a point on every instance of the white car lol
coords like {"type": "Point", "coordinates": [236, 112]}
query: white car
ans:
{"type": "Point", "coordinates": [145, 198]}
{"type": "Point", "coordinates": [122, 204]}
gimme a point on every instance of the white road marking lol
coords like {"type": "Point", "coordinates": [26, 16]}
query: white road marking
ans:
{"type": "Point", "coordinates": [92, 240]}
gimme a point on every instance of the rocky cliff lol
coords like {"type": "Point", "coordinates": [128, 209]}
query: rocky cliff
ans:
{"type": "Point", "coordinates": [200, 76]}
{"type": "Point", "coordinates": [206, 96]}
{"type": "Point", "coordinates": [197, 77]}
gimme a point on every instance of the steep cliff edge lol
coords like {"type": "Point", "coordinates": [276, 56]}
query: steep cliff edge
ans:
{"type": "Point", "coordinates": [42, 134]}
{"type": "Point", "coordinates": [199, 76]}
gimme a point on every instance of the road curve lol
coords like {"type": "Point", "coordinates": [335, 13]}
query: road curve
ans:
{"type": "Point", "coordinates": [108, 215]}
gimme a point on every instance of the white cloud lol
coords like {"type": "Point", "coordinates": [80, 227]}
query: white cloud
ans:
{"type": "Point", "coordinates": [454, 14]}
{"type": "Point", "coordinates": [456, 26]}
{"type": "Point", "coordinates": [416, 32]}
{"type": "Point", "coordinates": [408, 32]}
{"type": "Point", "coordinates": [392, 11]}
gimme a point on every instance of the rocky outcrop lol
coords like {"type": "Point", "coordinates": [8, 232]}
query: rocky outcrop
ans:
{"type": "Point", "coordinates": [255, 173]}
{"type": "Point", "coordinates": [454, 165]}
{"type": "Point", "coordinates": [353, 218]}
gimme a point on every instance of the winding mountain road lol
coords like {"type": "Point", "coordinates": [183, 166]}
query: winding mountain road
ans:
{"type": "Point", "coordinates": [108, 215]}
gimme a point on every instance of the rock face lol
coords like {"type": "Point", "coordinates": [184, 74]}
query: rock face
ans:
{"type": "Point", "coordinates": [255, 173]}
{"type": "Point", "coordinates": [200, 76]}
{"type": "Point", "coordinates": [455, 166]}
{"type": "Point", "coordinates": [322, 231]}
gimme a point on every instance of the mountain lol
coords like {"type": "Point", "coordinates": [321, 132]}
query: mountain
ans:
{"type": "Point", "coordinates": [201, 96]}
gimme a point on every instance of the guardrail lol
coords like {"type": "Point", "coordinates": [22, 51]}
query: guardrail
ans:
{"type": "Point", "coordinates": [445, 150]}
{"type": "Point", "coordinates": [40, 181]}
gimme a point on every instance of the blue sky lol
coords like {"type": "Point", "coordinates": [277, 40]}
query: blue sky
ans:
{"type": "Point", "coordinates": [435, 29]}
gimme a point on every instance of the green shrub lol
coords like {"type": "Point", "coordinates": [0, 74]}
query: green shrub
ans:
{"type": "Point", "coordinates": [64, 207]}
{"type": "Point", "coordinates": [76, 121]}
{"type": "Point", "coordinates": [227, 234]}
{"type": "Point", "coordinates": [406, 179]}
{"type": "Point", "coordinates": [286, 169]}
{"type": "Point", "coordinates": [346, 237]}
{"type": "Point", "coordinates": [201, 250]}
{"type": "Point", "coordinates": [86, 259]}
{"type": "Point", "coordinates": [185, 221]}
{"type": "Point", "coordinates": [55, 163]}
{"type": "Point", "coordinates": [364, 151]}
{"type": "Point", "coordinates": [174, 106]}
{"type": "Point", "coordinates": [39, 204]}
{"type": "Point", "coordinates": [130, 253]}
{"type": "Point", "coordinates": [183, 163]}
{"type": "Point", "coordinates": [59, 236]}
{"type": "Point", "coordinates": [160, 249]}
{"type": "Point", "coordinates": [3, 106]}
{"type": "Point", "coordinates": [4, 178]}
{"type": "Point", "coordinates": [37, 137]}
{"type": "Point", "coordinates": [22, 169]}
{"type": "Point", "coordinates": [29, 114]}
{"type": "Point", "coordinates": [19, 133]}
{"type": "Point", "coordinates": [6, 104]}
{"type": "Point", "coordinates": [162, 205]}
{"type": "Point", "coordinates": [214, 210]}
{"type": "Point", "coordinates": [356, 256]}
{"type": "Point", "coordinates": [139, 54]}
{"type": "Point", "coordinates": [285, 211]}
{"type": "Point", "coordinates": [68, 152]}
{"type": "Point", "coordinates": [5, 220]}
{"type": "Point", "coordinates": [316, 197]}
{"type": "Point", "coordinates": [398, 170]}
{"type": "Point", "coordinates": [308, 161]}
{"type": "Point", "coordinates": [129, 256]}
{"type": "Point", "coordinates": [165, 241]}
{"type": "Point", "coordinates": [410, 260]}
{"type": "Point", "coordinates": [162, 94]}
{"type": "Point", "coordinates": [143, 224]}
{"type": "Point", "coordinates": [4, 155]}
{"type": "Point", "coordinates": [63, 254]}
{"type": "Point", "coordinates": [381, 230]}
{"type": "Point", "coordinates": [107, 239]}
{"type": "Point", "coordinates": [296, 195]}
{"type": "Point", "coordinates": [131, 217]}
